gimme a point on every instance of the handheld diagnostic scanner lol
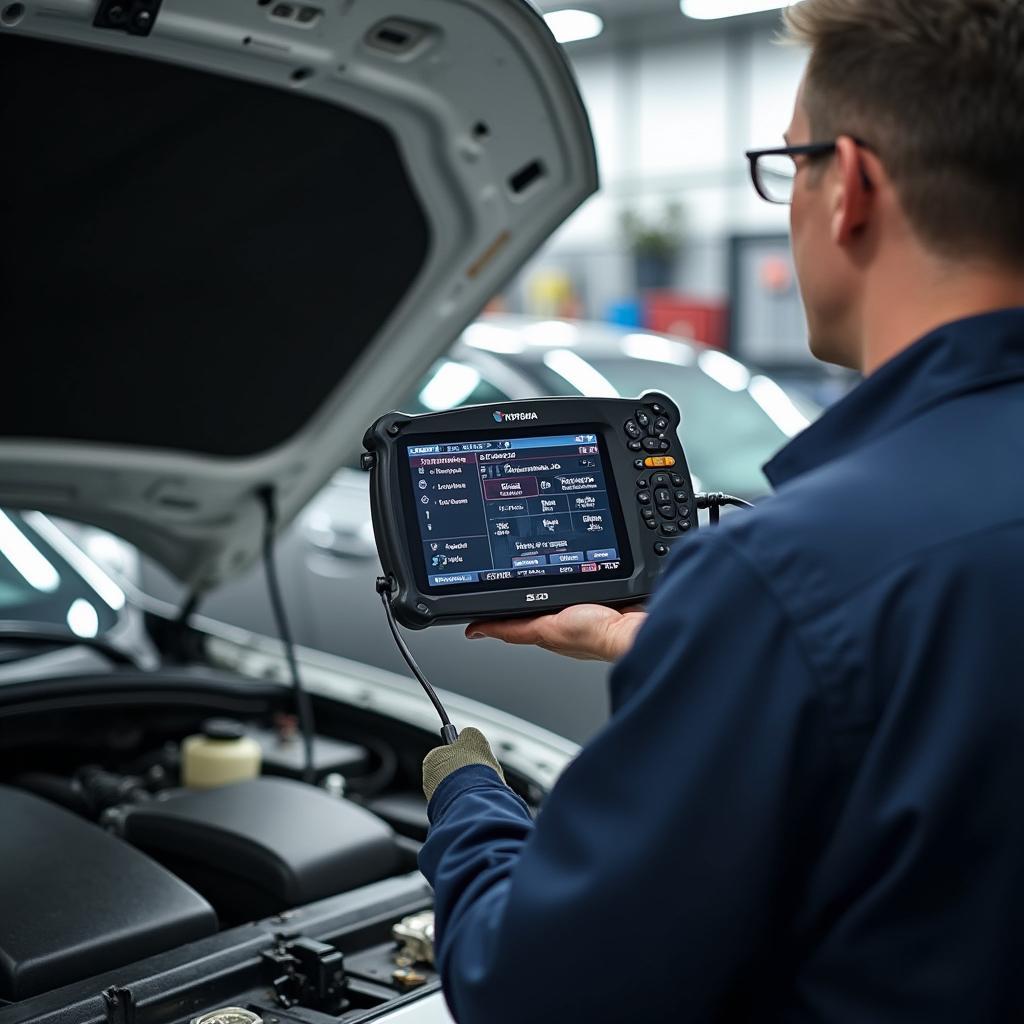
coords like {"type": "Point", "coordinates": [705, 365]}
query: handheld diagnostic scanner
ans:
{"type": "Point", "coordinates": [527, 507]}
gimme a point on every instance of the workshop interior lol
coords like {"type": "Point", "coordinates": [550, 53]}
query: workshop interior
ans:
{"type": "Point", "coordinates": [327, 329]}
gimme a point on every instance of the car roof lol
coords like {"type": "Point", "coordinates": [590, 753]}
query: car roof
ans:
{"type": "Point", "coordinates": [527, 338]}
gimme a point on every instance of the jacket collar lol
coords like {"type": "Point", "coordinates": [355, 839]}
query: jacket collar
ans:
{"type": "Point", "coordinates": [961, 357]}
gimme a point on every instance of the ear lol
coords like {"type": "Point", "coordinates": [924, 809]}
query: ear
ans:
{"type": "Point", "coordinates": [854, 196]}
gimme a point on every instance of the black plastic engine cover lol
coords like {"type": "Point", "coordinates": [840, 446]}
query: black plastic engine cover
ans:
{"type": "Point", "coordinates": [76, 901]}
{"type": "Point", "coordinates": [269, 844]}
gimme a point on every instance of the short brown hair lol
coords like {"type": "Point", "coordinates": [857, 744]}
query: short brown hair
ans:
{"type": "Point", "coordinates": [936, 87]}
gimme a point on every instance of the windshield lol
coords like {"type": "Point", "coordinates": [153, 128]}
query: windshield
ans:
{"type": "Point", "coordinates": [39, 585]}
{"type": "Point", "coordinates": [733, 422]}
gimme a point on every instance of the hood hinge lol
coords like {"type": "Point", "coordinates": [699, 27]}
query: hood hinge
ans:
{"type": "Point", "coordinates": [136, 17]}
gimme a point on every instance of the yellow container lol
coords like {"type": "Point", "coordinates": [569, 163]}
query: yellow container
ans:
{"type": "Point", "coordinates": [220, 754]}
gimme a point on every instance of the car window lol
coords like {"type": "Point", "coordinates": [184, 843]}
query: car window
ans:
{"type": "Point", "coordinates": [37, 585]}
{"type": "Point", "coordinates": [452, 385]}
{"type": "Point", "coordinates": [727, 432]}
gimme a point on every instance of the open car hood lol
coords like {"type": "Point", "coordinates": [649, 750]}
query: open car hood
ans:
{"type": "Point", "coordinates": [232, 231]}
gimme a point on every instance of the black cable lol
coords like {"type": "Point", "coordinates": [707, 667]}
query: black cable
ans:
{"type": "Point", "coordinates": [303, 705]}
{"type": "Point", "coordinates": [188, 609]}
{"type": "Point", "coordinates": [715, 501]}
{"type": "Point", "coordinates": [712, 502]}
{"type": "Point", "coordinates": [448, 731]}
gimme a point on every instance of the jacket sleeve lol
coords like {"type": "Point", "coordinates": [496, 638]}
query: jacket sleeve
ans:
{"type": "Point", "coordinates": [660, 878]}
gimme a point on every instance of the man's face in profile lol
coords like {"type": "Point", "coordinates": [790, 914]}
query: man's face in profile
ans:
{"type": "Point", "coordinates": [827, 282]}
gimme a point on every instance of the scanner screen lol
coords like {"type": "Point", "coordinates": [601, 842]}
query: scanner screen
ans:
{"type": "Point", "coordinates": [516, 510]}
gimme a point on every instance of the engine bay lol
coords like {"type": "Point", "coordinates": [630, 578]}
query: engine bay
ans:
{"type": "Point", "coordinates": [304, 894]}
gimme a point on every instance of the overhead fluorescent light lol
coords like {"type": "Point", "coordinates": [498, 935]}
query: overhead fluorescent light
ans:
{"type": "Point", "coordinates": [26, 558]}
{"type": "Point", "coordinates": [83, 620]}
{"type": "Point", "coordinates": [711, 10]}
{"type": "Point", "coordinates": [111, 593]}
{"type": "Point", "coordinates": [571, 26]}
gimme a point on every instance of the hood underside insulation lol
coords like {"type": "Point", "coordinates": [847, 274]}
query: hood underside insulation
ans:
{"type": "Point", "coordinates": [187, 262]}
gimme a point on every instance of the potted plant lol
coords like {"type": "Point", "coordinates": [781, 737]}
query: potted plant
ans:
{"type": "Point", "coordinates": [655, 246]}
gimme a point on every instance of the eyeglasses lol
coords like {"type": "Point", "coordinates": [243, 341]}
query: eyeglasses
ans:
{"type": "Point", "coordinates": [774, 170]}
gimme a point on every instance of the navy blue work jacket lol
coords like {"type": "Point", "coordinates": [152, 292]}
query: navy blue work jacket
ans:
{"type": "Point", "coordinates": [809, 803]}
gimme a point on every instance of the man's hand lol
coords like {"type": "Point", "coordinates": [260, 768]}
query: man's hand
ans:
{"type": "Point", "coordinates": [587, 632]}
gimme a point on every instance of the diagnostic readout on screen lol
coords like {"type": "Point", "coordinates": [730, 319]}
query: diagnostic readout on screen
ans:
{"type": "Point", "coordinates": [508, 510]}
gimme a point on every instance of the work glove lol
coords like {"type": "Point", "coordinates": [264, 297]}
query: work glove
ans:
{"type": "Point", "coordinates": [470, 748]}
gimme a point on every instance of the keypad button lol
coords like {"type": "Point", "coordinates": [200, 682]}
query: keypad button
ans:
{"type": "Point", "coordinates": [681, 496]}
{"type": "Point", "coordinates": [650, 524]}
{"type": "Point", "coordinates": [659, 480]}
{"type": "Point", "coordinates": [635, 446]}
{"type": "Point", "coordinates": [683, 511]}
{"type": "Point", "coordinates": [658, 410]}
{"type": "Point", "coordinates": [633, 430]}
{"type": "Point", "coordinates": [667, 511]}
{"type": "Point", "coordinates": [644, 498]}
{"type": "Point", "coordinates": [652, 444]}
{"type": "Point", "coordinates": [677, 480]}
{"type": "Point", "coordinates": [647, 513]}
{"type": "Point", "coordinates": [663, 496]}
{"type": "Point", "coordinates": [661, 424]}
{"type": "Point", "coordinates": [684, 526]}
{"type": "Point", "coordinates": [662, 445]}
{"type": "Point", "coordinates": [661, 550]}
{"type": "Point", "coordinates": [669, 530]}
{"type": "Point", "coordinates": [642, 419]}
{"type": "Point", "coordinates": [642, 483]}
{"type": "Point", "coordinates": [639, 464]}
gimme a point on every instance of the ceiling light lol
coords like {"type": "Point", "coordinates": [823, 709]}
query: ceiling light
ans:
{"type": "Point", "coordinates": [82, 619]}
{"type": "Point", "coordinates": [29, 561]}
{"type": "Point", "coordinates": [709, 10]}
{"type": "Point", "coordinates": [111, 593]}
{"type": "Point", "coordinates": [572, 26]}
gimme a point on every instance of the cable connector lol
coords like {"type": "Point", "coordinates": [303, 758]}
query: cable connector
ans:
{"type": "Point", "coordinates": [714, 501]}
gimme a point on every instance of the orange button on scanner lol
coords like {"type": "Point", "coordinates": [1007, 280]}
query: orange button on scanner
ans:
{"type": "Point", "coordinates": [659, 462]}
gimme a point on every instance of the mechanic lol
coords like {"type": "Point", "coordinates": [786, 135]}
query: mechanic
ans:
{"type": "Point", "coordinates": [807, 805]}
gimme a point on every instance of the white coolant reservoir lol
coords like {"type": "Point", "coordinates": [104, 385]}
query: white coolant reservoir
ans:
{"type": "Point", "coordinates": [220, 754]}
